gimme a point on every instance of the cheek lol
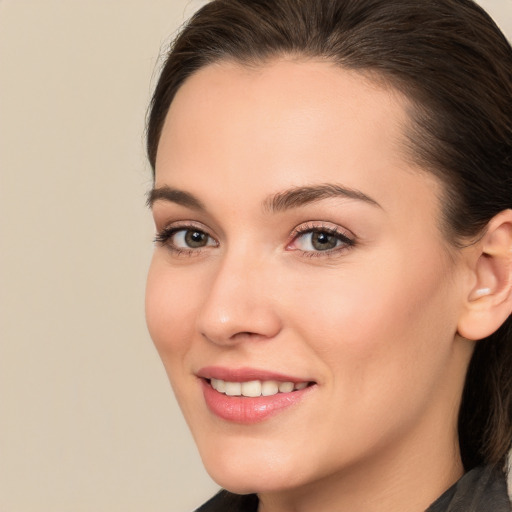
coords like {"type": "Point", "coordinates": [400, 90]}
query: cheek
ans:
{"type": "Point", "coordinates": [171, 305]}
{"type": "Point", "coordinates": [170, 309]}
{"type": "Point", "coordinates": [381, 320]}
{"type": "Point", "coordinates": [383, 340]}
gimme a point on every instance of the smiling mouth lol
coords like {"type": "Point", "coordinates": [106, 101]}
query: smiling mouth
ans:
{"type": "Point", "coordinates": [256, 388]}
{"type": "Point", "coordinates": [243, 398]}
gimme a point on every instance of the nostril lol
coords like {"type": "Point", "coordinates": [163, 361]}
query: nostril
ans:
{"type": "Point", "coordinates": [246, 334]}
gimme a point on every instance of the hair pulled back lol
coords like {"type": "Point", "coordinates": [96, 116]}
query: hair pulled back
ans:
{"type": "Point", "coordinates": [455, 67]}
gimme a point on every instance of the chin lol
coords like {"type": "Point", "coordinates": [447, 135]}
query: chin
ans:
{"type": "Point", "coordinates": [259, 480]}
{"type": "Point", "coordinates": [243, 470]}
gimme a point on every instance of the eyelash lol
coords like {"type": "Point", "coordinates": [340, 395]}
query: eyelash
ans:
{"type": "Point", "coordinates": [347, 242]}
{"type": "Point", "coordinates": [163, 237]}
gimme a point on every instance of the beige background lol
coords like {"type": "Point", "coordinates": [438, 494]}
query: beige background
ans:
{"type": "Point", "coordinates": [87, 420]}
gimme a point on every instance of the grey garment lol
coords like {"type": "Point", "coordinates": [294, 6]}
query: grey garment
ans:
{"type": "Point", "coordinates": [480, 490]}
{"type": "Point", "coordinates": [226, 501]}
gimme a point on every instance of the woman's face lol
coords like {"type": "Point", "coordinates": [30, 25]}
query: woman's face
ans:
{"type": "Point", "coordinates": [298, 246]}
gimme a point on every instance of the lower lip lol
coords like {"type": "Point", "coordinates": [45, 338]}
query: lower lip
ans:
{"type": "Point", "coordinates": [247, 410]}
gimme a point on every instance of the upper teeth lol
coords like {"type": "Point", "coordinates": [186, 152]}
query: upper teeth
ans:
{"type": "Point", "coordinates": [254, 388]}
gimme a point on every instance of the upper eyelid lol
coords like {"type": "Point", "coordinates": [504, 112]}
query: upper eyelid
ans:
{"type": "Point", "coordinates": [171, 228]}
{"type": "Point", "coordinates": [309, 226]}
{"type": "Point", "coordinates": [185, 224]}
{"type": "Point", "coordinates": [165, 219]}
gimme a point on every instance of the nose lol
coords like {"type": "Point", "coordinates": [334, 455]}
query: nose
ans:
{"type": "Point", "coordinates": [239, 304]}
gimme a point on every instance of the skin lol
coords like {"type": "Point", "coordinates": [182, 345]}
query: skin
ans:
{"type": "Point", "coordinates": [373, 324]}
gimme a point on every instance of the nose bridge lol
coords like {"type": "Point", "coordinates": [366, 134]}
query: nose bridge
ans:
{"type": "Point", "coordinates": [239, 301]}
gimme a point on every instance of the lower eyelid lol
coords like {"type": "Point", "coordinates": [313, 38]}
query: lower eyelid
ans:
{"type": "Point", "coordinates": [336, 252]}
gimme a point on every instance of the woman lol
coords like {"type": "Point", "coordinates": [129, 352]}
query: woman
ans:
{"type": "Point", "coordinates": [331, 287]}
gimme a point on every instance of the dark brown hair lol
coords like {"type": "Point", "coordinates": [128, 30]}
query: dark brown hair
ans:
{"type": "Point", "coordinates": [455, 66]}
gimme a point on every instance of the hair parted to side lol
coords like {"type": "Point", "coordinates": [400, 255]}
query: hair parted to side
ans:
{"type": "Point", "coordinates": [455, 67]}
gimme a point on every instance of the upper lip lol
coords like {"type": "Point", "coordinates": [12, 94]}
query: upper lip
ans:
{"type": "Point", "coordinates": [245, 374]}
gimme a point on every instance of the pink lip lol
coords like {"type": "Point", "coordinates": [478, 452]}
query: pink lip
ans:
{"type": "Point", "coordinates": [246, 410]}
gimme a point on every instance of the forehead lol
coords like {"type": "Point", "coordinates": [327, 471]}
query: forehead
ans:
{"type": "Point", "coordinates": [284, 90]}
{"type": "Point", "coordinates": [282, 103]}
{"type": "Point", "coordinates": [287, 123]}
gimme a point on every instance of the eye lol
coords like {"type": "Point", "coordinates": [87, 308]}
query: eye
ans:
{"type": "Point", "coordinates": [319, 239]}
{"type": "Point", "coordinates": [181, 239]}
{"type": "Point", "coordinates": [190, 239]}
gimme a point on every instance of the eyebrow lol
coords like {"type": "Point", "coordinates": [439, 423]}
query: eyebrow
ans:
{"type": "Point", "coordinates": [300, 196]}
{"type": "Point", "coordinates": [282, 201]}
{"type": "Point", "coordinates": [174, 195]}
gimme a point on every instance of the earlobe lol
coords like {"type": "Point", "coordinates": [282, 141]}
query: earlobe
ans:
{"type": "Point", "coordinates": [489, 302]}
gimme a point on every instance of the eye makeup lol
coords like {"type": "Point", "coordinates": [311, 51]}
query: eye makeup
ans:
{"type": "Point", "coordinates": [321, 239]}
{"type": "Point", "coordinates": [310, 239]}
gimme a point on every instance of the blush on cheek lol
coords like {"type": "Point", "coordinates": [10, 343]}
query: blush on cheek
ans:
{"type": "Point", "coordinates": [165, 313]}
{"type": "Point", "coordinates": [167, 331]}
{"type": "Point", "coordinates": [377, 313]}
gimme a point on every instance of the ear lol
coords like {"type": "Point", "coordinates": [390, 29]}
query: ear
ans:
{"type": "Point", "coordinates": [489, 299]}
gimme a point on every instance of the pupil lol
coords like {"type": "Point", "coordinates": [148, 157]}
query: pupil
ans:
{"type": "Point", "coordinates": [195, 239]}
{"type": "Point", "coordinates": [323, 241]}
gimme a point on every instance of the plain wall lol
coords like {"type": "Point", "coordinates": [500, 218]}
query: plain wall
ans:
{"type": "Point", "coordinates": [87, 418]}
